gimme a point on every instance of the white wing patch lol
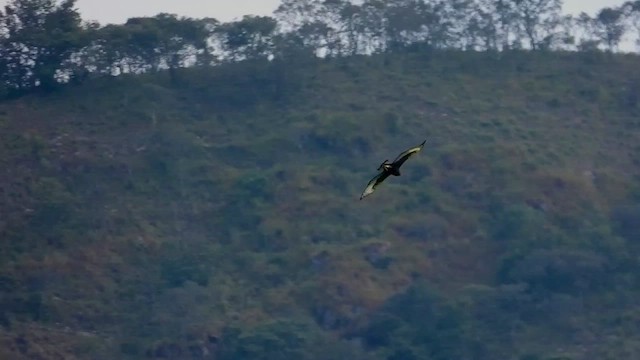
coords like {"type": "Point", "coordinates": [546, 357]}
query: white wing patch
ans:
{"type": "Point", "coordinates": [371, 186]}
{"type": "Point", "coordinates": [368, 190]}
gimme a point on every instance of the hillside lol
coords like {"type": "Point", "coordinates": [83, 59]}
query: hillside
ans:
{"type": "Point", "coordinates": [215, 214]}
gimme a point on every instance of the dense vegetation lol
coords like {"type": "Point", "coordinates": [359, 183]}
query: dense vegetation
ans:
{"type": "Point", "coordinates": [212, 212]}
{"type": "Point", "coordinates": [45, 43]}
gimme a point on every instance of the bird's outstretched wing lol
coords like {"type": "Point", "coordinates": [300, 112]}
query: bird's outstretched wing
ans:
{"type": "Point", "coordinates": [371, 186]}
{"type": "Point", "coordinates": [407, 154]}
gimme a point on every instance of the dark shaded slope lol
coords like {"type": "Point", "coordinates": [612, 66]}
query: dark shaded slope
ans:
{"type": "Point", "coordinates": [219, 214]}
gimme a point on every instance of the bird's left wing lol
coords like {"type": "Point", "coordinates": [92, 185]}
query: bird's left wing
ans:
{"type": "Point", "coordinates": [407, 154]}
{"type": "Point", "coordinates": [371, 186]}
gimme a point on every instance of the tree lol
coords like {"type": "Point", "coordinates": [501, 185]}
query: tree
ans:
{"type": "Point", "coordinates": [481, 31]}
{"type": "Point", "coordinates": [446, 20]}
{"type": "Point", "coordinates": [115, 52]}
{"type": "Point", "coordinates": [588, 40]}
{"type": "Point", "coordinates": [606, 28]}
{"type": "Point", "coordinates": [496, 24]}
{"type": "Point", "coordinates": [37, 37]}
{"type": "Point", "coordinates": [166, 41]}
{"type": "Point", "coordinates": [566, 36]}
{"type": "Point", "coordinates": [250, 38]}
{"type": "Point", "coordinates": [81, 63]}
{"type": "Point", "coordinates": [310, 39]}
{"type": "Point", "coordinates": [464, 29]}
{"type": "Point", "coordinates": [406, 20]}
{"type": "Point", "coordinates": [207, 57]}
{"type": "Point", "coordinates": [293, 14]}
{"type": "Point", "coordinates": [372, 24]}
{"type": "Point", "coordinates": [340, 16]}
{"type": "Point", "coordinates": [430, 22]}
{"type": "Point", "coordinates": [349, 16]}
{"type": "Point", "coordinates": [610, 27]}
{"type": "Point", "coordinates": [631, 11]}
{"type": "Point", "coordinates": [538, 21]}
{"type": "Point", "coordinates": [151, 43]}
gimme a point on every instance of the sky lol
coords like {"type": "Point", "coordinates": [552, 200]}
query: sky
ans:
{"type": "Point", "coordinates": [118, 11]}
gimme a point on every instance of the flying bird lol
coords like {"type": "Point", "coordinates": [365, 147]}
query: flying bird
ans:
{"type": "Point", "coordinates": [388, 168]}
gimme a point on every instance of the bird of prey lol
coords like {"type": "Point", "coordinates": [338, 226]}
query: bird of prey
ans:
{"type": "Point", "coordinates": [390, 169]}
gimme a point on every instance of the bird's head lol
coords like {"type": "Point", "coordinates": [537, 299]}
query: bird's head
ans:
{"type": "Point", "coordinates": [383, 164]}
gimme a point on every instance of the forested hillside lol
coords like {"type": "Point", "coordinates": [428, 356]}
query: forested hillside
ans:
{"type": "Point", "coordinates": [210, 211]}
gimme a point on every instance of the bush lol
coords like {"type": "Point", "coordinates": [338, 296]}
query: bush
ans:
{"type": "Point", "coordinates": [626, 220]}
{"type": "Point", "coordinates": [556, 271]}
{"type": "Point", "coordinates": [417, 324]}
{"type": "Point", "coordinates": [178, 267]}
{"type": "Point", "coordinates": [285, 340]}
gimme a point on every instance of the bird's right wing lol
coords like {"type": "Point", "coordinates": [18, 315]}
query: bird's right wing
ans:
{"type": "Point", "coordinates": [371, 186]}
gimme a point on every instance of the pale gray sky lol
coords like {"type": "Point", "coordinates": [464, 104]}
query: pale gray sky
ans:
{"type": "Point", "coordinates": [118, 11]}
